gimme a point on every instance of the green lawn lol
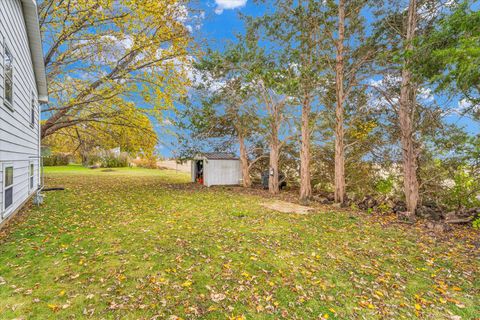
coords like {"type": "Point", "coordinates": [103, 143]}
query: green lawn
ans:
{"type": "Point", "coordinates": [140, 244]}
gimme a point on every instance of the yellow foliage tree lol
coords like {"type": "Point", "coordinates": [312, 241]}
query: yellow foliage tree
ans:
{"type": "Point", "coordinates": [133, 133]}
{"type": "Point", "coordinates": [101, 55]}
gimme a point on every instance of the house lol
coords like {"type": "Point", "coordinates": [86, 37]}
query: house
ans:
{"type": "Point", "coordinates": [23, 86]}
{"type": "Point", "coordinates": [213, 169]}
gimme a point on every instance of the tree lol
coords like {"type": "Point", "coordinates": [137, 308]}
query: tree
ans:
{"type": "Point", "coordinates": [135, 136]}
{"type": "Point", "coordinates": [339, 109]}
{"type": "Point", "coordinates": [294, 28]}
{"type": "Point", "coordinates": [242, 116]}
{"type": "Point", "coordinates": [101, 54]}
{"type": "Point", "coordinates": [405, 113]}
{"type": "Point", "coordinates": [353, 54]}
{"type": "Point", "coordinates": [269, 76]}
{"type": "Point", "coordinates": [275, 105]}
{"type": "Point", "coordinates": [404, 90]}
{"type": "Point", "coordinates": [223, 109]}
{"type": "Point", "coordinates": [449, 56]}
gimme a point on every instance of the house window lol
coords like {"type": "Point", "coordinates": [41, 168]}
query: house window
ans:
{"type": "Point", "coordinates": [32, 113]}
{"type": "Point", "coordinates": [32, 175]}
{"type": "Point", "coordinates": [8, 187]}
{"type": "Point", "coordinates": [8, 67]}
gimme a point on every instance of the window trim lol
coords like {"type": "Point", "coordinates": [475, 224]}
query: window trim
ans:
{"type": "Point", "coordinates": [33, 111]}
{"type": "Point", "coordinates": [31, 176]}
{"type": "Point", "coordinates": [7, 103]}
{"type": "Point", "coordinates": [5, 187]}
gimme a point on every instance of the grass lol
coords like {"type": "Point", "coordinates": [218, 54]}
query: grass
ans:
{"type": "Point", "coordinates": [140, 244]}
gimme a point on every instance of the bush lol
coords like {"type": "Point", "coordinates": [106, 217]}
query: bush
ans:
{"type": "Point", "coordinates": [111, 160]}
{"type": "Point", "coordinates": [385, 186]}
{"type": "Point", "coordinates": [57, 159]}
{"type": "Point", "coordinates": [148, 163]}
{"type": "Point", "coordinates": [92, 160]}
{"type": "Point", "coordinates": [476, 223]}
{"type": "Point", "coordinates": [464, 192]}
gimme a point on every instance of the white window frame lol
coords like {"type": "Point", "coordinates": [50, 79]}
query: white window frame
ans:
{"type": "Point", "coordinates": [5, 101]}
{"type": "Point", "coordinates": [31, 176]}
{"type": "Point", "coordinates": [5, 167]}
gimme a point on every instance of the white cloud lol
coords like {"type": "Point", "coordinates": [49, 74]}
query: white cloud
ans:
{"type": "Point", "coordinates": [181, 13]}
{"type": "Point", "coordinates": [426, 94]}
{"type": "Point", "coordinates": [464, 104]}
{"type": "Point", "coordinates": [228, 5]}
{"type": "Point", "coordinates": [429, 10]}
{"type": "Point", "coordinates": [126, 42]}
{"type": "Point", "coordinates": [117, 43]}
{"type": "Point", "coordinates": [377, 98]}
{"type": "Point", "coordinates": [204, 78]}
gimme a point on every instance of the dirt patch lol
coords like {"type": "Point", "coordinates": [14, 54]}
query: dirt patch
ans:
{"type": "Point", "coordinates": [287, 207]}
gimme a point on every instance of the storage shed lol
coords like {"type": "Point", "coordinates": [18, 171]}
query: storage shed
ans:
{"type": "Point", "coordinates": [216, 169]}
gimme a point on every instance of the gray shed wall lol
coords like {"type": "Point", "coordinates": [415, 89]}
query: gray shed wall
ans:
{"type": "Point", "coordinates": [222, 172]}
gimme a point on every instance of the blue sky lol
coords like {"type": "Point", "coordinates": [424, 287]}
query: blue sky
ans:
{"type": "Point", "coordinates": [220, 25]}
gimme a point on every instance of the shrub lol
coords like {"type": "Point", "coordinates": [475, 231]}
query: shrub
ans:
{"type": "Point", "coordinates": [57, 159]}
{"type": "Point", "coordinates": [464, 191]}
{"type": "Point", "coordinates": [93, 159]}
{"type": "Point", "coordinates": [385, 186]}
{"type": "Point", "coordinates": [476, 223]}
{"type": "Point", "coordinates": [112, 160]}
{"type": "Point", "coordinates": [148, 163]}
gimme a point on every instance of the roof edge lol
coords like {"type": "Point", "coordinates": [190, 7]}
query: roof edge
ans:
{"type": "Point", "coordinates": [30, 15]}
{"type": "Point", "coordinates": [217, 156]}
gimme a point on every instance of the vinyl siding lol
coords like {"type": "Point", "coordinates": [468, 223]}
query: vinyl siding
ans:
{"type": "Point", "coordinates": [19, 141]}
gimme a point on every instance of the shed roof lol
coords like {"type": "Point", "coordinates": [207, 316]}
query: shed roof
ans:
{"type": "Point", "coordinates": [35, 44]}
{"type": "Point", "coordinates": [219, 156]}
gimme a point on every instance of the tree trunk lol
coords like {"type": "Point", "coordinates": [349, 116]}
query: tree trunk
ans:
{"type": "Point", "coordinates": [246, 181]}
{"type": "Point", "coordinates": [82, 149]}
{"type": "Point", "coordinates": [405, 116]}
{"type": "Point", "coordinates": [339, 110]}
{"type": "Point", "coordinates": [305, 181]}
{"type": "Point", "coordinates": [273, 185]}
{"type": "Point", "coordinates": [84, 157]}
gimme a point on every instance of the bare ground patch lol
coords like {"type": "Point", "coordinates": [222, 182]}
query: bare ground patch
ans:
{"type": "Point", "coordinates": [287, 207]}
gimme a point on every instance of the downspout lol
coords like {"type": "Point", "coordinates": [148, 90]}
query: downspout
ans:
{"type": "Point", "coordinates": [39, 197]}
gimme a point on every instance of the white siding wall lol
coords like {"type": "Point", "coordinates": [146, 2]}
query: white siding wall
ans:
{"type": "Point", "coordinates": [19, 142]}
{"type": "Point", "coordinates": [222, 172]}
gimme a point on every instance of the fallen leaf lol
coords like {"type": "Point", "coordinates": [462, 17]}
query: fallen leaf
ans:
{"type": "Point", "coordinates": [217, 297]}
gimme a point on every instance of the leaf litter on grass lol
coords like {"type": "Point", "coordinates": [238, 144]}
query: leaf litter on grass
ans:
{"type": "Point", "coordinates": [147, 244]}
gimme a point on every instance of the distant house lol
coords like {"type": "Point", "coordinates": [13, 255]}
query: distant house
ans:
{"type": "Point", "coordinates": [216, 169]}
{"type": "Point", "coordinates": [23, 87]}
